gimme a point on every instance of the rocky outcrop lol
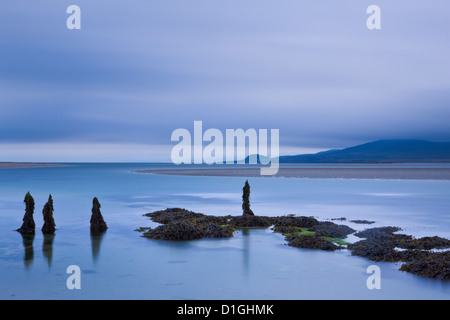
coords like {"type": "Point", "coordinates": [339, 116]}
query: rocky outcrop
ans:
{"type": "Point", "coordinates": [188, 230]}
{"type": "Point", "coordinates": [331, 230]}
{"type": "Point", "coordinates": [417, 255]}
{"type": "Point", "coordinates": [431, 265]}
{"type": "Point", "coordinates": [181, 224]}
{"type": "Point", "coordinates": [377, 244]}
{"type": "Point", "coordinates": [312, 241]}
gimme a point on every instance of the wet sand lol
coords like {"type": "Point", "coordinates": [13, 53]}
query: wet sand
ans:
{"type": "Point", "coordinates": [9, 165]}
{"type": "Point", "coordinates": [381, 172]}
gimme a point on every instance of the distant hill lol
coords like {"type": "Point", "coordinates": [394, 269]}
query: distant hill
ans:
{"type": "Point", "coordinates": [256, 158]}
{"type": "Point", "coordinates": [381, 151]}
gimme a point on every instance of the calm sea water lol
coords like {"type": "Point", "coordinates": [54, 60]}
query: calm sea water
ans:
{"type": "Point", "coordinates": [255, 264]}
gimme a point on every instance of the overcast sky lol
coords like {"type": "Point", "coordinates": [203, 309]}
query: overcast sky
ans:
{"type": "Point", "coordinates": [137, 70]}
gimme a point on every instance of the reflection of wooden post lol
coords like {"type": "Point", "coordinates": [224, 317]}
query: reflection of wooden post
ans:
{"type": "Point", "coordinates": [28, 226]}
{"type": "Point", "coordinates": [96, 239]}
{"type": "Point", "coordinates": [27, 240]}
{"type": "Point", "coordinates": [47, 212]}
{"type": "Point", "coordinates": [98, 225]}
{"type": "Point", "coordinates": [47, 247]}
{"type": "Point", "coordinates": [246, 211]}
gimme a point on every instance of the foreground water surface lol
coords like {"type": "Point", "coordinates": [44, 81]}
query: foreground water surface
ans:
{"type": "Point", "coordinates": [254, 264]}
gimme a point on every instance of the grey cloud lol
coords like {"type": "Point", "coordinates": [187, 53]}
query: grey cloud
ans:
{"type": "Point", "coordinates": [138, 70]}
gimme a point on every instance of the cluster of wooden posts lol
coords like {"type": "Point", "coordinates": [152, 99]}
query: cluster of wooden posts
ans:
{"type": "Point", "coordinates": [28, 227]}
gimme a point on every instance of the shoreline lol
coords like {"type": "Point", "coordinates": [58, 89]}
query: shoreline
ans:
{"type": "Point", "coordinates": [315, 173]}
{"type": "Point", "coordinates": [14, 165]}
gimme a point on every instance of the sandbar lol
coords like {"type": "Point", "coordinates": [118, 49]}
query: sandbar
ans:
{"type": "Point", "coordinates": [10, 165]}
{"type": "Point", "coordinates": [381, 172]}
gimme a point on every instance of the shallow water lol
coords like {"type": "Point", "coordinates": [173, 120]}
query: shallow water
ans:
{"type": "Point", "coordinates": [255, 264]}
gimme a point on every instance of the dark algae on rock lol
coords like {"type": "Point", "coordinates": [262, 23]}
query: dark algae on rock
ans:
{"type": "Point", "coordinates": [181, 224]}
{"type": "Point", "coordinates": [28, 227]}
{"type": "Point", "coordinates": [311, 241]}
{"type": "Point", "coordinates": [417, 255]}
{"type": "Point", "coordinates": [378, 244]}
{"type": "Point", "coordinates": [309, 233]}
{"type": "Point", "coordinates": [331, 230]}
{"type": "Point", "coordinates": [431, 265]}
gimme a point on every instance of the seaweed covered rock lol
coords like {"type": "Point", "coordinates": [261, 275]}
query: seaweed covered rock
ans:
{"type": "Point", "coordinates": [182, 224]}
{"type": "Point", "coordinates": [379, 245]}
{"type": "Point", "coordinates": [425, 243]}
{"type": "Point", "coordinates": [49, 222]}
{"type": "Point", "coordinates": [386, 237]}
{"type": "Point", "coordinates": [286, 229]}
{"type": "Point", "coordinates": [98, 225]}
{"type": "Point", "coordinates": [382, 244]}
{"type": "Point", "coordinates": [433, 265]}
{"type": "Point", "coordinates": [375, 251]}
{"type": "Point", "coordinates": [311, 242]}
{"type": "Point", "coordinates": [172, 214]}
{"type": "Point", "coordinates": [28, 226]}
{"type": "Point", "coordinates": [188, 230]}
{"type": "Point", "coordinates": [248, 221]}
{"type": "Point", "coordinates": [291, 221]}
{"type": "Point", "coordinates": [176, 214]}
{"type": "Point", "coordinates": [381, 233]}
{"type": "Point", "coordinates": [307, 232]}
{"type": "Point", "coordinates": [332, 230]}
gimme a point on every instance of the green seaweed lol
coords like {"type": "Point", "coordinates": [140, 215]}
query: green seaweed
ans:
{"type": "Point", "coordinates": [337, 241]}
{"type": "Point", "coordinates": [306, 232]}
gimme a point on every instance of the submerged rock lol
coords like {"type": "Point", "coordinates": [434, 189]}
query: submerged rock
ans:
{"type": "Point", "coordinates": [362, 221]}
{"type": "Point", "coordinates": [98, 225]}
{"type": "Point", "coordinates": [28, 227]}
